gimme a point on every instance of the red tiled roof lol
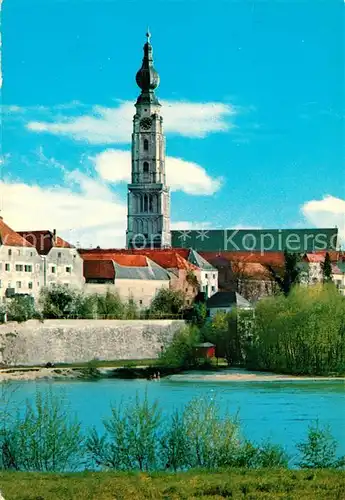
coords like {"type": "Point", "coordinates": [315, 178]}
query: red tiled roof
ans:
{"type": "Point", "coordinates": [264, 258]}
{"type": "Point", "coordinates": [44, 240]}
{"type": "Point", "coordinates": [169, 259]}
{"type": "Point", "coordinates": [120, 258]}
{"type": "Point", "coordinates": [320, 256]}
{"type": "Point", "coordinates": [314, 258]}
{"type": "Point", "coordinates": [335, 269]}
{"type": "Point", "coordinates": [11, 238]}
{"type": "Point", "coordinates": [99, 269]}
{"type": "Point", "coordinates": [130, 260]}
{"type": "Point", "coordinates": [166, 258]}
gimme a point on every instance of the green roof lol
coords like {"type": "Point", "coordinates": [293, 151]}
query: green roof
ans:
{"type": "Point", "coordinates": [227, 299]}
{"type": "Point", "coordinates": [199, 261]}
{"type": "Point", "coordinates": [341, 266]}
{"type": "Point", "coordinates": [293, 240]}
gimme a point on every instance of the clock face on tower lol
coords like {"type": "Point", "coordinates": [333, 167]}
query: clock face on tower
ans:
{"type": "Point", "coordinates": [146, 123]}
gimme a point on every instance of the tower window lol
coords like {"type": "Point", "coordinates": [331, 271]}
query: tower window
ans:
{"type": "Point", "coordinates": [146, 167]}
{"type": "Point", "coordinates": [146, 145]}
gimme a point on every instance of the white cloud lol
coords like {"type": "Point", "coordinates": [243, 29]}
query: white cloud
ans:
{"type": "Point", "coordinates": [93, 215]}
{"type": "Point", "coordinates": [114, 125]}
{"type": "Point", "coordinates": [185, 225]}
{"type": "Point", "coordinates": [114, 166]}
{"type": "Point", "coordinates": [90, 217]}
{"type": "Point", "coordinates": [328, 212]}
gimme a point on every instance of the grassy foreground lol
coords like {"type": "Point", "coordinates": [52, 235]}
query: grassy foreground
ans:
{"type": "Point", "coordinates": [241, 483]}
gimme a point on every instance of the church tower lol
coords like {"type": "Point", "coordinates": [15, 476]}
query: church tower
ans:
{"type": "Point", "coordinates": [148, 219]}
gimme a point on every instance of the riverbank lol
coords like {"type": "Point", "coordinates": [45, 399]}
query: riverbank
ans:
{"type": "Point", "coordinates": [239, 483]}
{"type": "Point", "coordinates": [146, 371]}
{"type": "Point", "coordinates": [238, 375]}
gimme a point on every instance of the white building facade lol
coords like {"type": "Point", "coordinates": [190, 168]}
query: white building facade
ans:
{"type": "Point", "coordinates": [20, 265]}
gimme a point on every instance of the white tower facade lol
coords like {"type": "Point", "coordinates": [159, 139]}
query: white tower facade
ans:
{"type": "Point", "coordinates": [148, 219]}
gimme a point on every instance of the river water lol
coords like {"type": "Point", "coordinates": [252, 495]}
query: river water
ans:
{"type": "Point", "coordinates": [274, 409]}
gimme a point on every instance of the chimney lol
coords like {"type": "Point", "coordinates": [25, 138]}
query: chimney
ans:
{"type": "Point", "coordinates": [54, 238]}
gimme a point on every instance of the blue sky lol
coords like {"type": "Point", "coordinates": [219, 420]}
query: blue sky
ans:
{"type": "Point", "coordinates": [253, 103]}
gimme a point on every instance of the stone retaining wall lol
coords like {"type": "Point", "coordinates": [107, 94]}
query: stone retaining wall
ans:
{"type": "Point", "coordinates": [72, 341]}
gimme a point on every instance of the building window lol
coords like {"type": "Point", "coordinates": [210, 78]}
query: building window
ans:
{"type": "Point", "coordinates": [213, 288]}
{"type": "Point", "coordinates": [28, 269]}
{"type": "Point", "coordinates": [214, 276]}
{"type": "Point", "coordinates": [38, 283]}
{"type": "Point", "coordinates": [53, 269]}
{"type": "Point", "coordinates": [146, 145]}
{"type": "Point", "coordinates": [140, 302]}
{"type": "Point", "coordinates": [18, 252]}
{"type": "Point", "coordinates": [30, 285]}
{"type": "Point", "coordinates": [206, 275]}
{"type": "Point", "coordinates": [187, 289]}
{"type": "Point", "coordinates": [19, 284]}
{"type": "Point", "coordinates": [68, 269]}
{"type": "Point", "coordinates": [59, 255]}
{"type": "Point", "coordinates": [7, 267]}
{"type": "Point", "coordinates": [146, 167]}
{"type": "Point", "coordinates": [19, 267]}
{"type": "Point", "coordinates": [9, 251]}
{"type": "Point", "coordinates": [9, 284]}
{"type": "Point", "coordinates": [31, 254]}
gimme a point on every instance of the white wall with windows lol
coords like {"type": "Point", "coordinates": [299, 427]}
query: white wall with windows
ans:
{"type": "Point", "coordinates": [209, 281]}
{"type": "Point", "coordinates": [63, 266]}
{"type": "Point", "coordinates": [20, 271]}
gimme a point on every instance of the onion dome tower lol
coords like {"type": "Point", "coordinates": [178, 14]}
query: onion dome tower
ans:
{"type": "Point", "coordinates": [148, 219]}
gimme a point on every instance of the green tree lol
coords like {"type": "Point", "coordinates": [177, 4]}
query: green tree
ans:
{"type": "Point", "coordinates": [130, 441]}
{"type": "Point", "coordinates": [21, 308]}
{"type": "Point", "coordinates": [131, 309]}
{"type": "Point", "coordinates": [199, 314]}
{"type": "Point", "coordinates": [109, 306]}
{"type": "Point", "coordinates": [303, 333]}
{"type": "Point", "coordinates": [326, 267]}
{"type": "Point", "coordinates": [180, 353]}
{"type": "Point", "coordinates": [43, 439]}
{"type": "Point", "coordinates": [167, 302]}
{"type": "Point", "coordinates": [57, 301]}
{"type": "Point", "coordinates": [289, 275]}
{"type": "Point", "coordinates": [225, 331]}
{"type": "Point", "coordinates": [319, 451]}
{"type": "Point", "coordinates": [174, 444]}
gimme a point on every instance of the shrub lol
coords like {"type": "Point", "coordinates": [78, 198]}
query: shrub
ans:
{"type": "Point", "coordinates": [109, 306]}
{"type": "Point", "coordinates": [303, 333]}
{"type": "Point", "coordinates": [130, 441]}
{"type": "Point", "coordinates": [57, 301]}
{"type": "Point", "coordinates": [43, 439]}
{"type": "Point", "coordinates": [167, 302]}
{"type": "Point", "coordinates": [21, 308]}
{"type": "Point", "coordinates": [180, 353]}
{"type": "Point", "coordinates": [319, 451]}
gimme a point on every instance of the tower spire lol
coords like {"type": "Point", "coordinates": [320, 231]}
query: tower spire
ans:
{"type": "Point", "coordinates": [147, 77]}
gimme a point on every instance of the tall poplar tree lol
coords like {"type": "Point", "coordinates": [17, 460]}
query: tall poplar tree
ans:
{"type": "Point", "coordinates": [326, 266]}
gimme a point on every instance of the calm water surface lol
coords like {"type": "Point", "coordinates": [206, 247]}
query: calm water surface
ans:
{"type": "Point", "coordinates": [278, 410]}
